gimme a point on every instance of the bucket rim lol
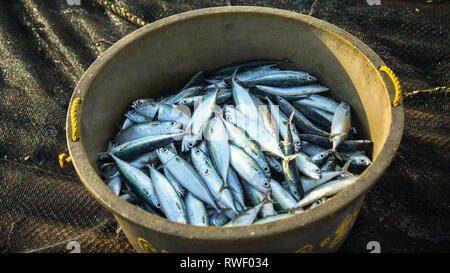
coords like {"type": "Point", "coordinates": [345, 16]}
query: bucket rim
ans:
{"type": "Point", "coordinates": [123, 209]}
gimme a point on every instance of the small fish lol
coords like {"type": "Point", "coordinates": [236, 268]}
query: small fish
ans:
{"type": "Point", "coordinates": [310, 183]}
{"type": "Point", "coordinates": [145, 159]}
{"type": "Point", "coordinates": [320, 158]}
{"type": "Point", "coordinates": [148, 129]}
{"type": "Point", "coordinates": [198, 122]}
{"type": "Point", "coordinates": [307, 166]}
{"type": "Point", "coordinates": [218, 219]}
{"type": "Point", "coordinates": [218, 146]}
{"type": "Point", "coordinates": [173, 113]}
{"type": "Point", "coordinates": [185, 93]}
{"type": "Point", "coordinates": [236, 187]}
{"type": "Point", "coordinates": [329, 164]}
{"type": "Point", "coordinates": [292, 93]}
{"type": "Point", "coordinates": [217, 187]}
{"type": "Point", "coordinates": [137, 147]}
{"type": "Point", "coordinates": [139, 182]}
{"type": "Point", "coordinates": [134, 117]}
{"type": "Point", "coordinates": [237, 137]}
{"type": "Point", "coordinates": [248, 169]}
{"type": "Point", "coordinates": [358, 159]}
{"type": "Point", "coordinates": [222, 97]}
{"type": "Point", "coordinates": [282, 198]}
{"type": "Point", "coordinates": [319, 102]}
{"type": "Point", "coordinates": [284, 78]}
{"type": "Point", "coordinates": [341, 125]}
{"type": "Point", "coordinates": [346, 146]}
{"type": "Point", "coordinates": [181, 191]}
{"type": "Point", "coordinates": [274, 164]}
{"type": "Point", "coordinates": [246, 217]}
{"type": "Point", "coordinates": [115, 184]}
{"type": "Point", "coordinates": [301, 121]}
{"type": "Point", "coordinates": [146, 107]}
{"type": "Point", "coordinates": [171, 203]}
{"type": "Point", "coordinates": [228, 70]}
{"type": "Point", "coordinates": [327, 189]}
{"type": "Point", "coordinates": [186, 175]}
{"type": "Point", "coordinates": [242, 100]}
{"type": "Point", "coordinates": [196, 210]}
{"type": "Point", "coordinates": [255, 197]}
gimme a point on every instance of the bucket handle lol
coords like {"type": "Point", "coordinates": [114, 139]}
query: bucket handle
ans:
{"type": "Point", "coordinates": [398, 88]}
{"type": "Point", "coordinates": [64, 159]}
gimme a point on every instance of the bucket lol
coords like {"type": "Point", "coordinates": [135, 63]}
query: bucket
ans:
{"type": "Point", "coordinates": [160, 57]}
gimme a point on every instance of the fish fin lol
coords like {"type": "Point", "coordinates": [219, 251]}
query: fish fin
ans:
{"type": "Point", "coordinates": [289, 121]}
{"type": "Point", "coordinates": [287, 159]}
{"type": "Point", "coordinates": [335, 153]}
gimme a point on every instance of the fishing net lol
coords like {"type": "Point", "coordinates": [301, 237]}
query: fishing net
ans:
{"type": "Point", "coordinates": [45, 46]}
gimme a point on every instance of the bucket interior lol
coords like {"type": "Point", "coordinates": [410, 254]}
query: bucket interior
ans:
{"type": "Point", "coordinates": [161, 61]}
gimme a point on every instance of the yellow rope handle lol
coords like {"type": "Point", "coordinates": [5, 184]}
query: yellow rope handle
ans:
{"type": "Point", "coordinates": [64, 160]}
{"type": "Point", "coordinates": [398, 88]}
{"type": "Point", "coordinates": [73, 117]}
{"type": "Point", "coordinates": [122, 13]}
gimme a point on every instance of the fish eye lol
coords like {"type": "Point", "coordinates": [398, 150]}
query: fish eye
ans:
{"type": "Point", "coordinates": [165, 150]}
{"type": "Point", "coordinates": [317, 170]}
{"type": "Point", "coordinates": [266, 184]}
{"type": "Point", "coordinates": [363, 161]}
{"type": "Point", "coordinates": [206, 171]}
{"type": "Point", "coordinates": [190, 145]}
{"type": "Point", "coordinates": [322, 156]}
{"type": "Point", "coordinates": [158, 205]}
{"type": "Point", "coordinates": [266, 169]}
{"type": "Point", "coordinates": [172, 123]}
{"type": "Point", "coordinates": [197, 151]}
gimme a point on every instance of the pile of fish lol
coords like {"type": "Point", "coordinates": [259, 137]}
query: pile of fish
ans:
{"type": "Point", "coordinates": [260, 145]}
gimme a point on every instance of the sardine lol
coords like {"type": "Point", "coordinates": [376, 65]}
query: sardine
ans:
{"type": "Point", "coordinates": [196, 210]}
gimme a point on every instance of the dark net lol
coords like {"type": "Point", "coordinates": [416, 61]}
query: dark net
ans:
{"type": "Point", "coordinates": [46, 45]}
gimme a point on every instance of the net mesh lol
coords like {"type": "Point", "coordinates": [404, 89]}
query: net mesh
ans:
{"type": "Point", "coordinates": [45, 46]}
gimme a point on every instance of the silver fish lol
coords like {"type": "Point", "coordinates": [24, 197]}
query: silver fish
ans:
{"type": "Point", "coordinates": [310, 183]}
{"type": "Point", "coordinates": [236, 187]}
{"type": "Point", "coordinates": [255, 197]}
{"type": "Point", "coordinates": [282, 197]}
{"type": "Point", "coordinates": [327, 189]}
{"type": "Point", "coordinates": [198, 122]}
{"type": "Point", "coordinates": [248, 169]}
{"type": "Point", "coordinates": [306, 166]}
{"type": "Point", "coordinates": [284, 78]}
{"type": "Point", "coordinates": [115, 184]}
{"type": "Point", "coordinates": [136, 118]}
{"type": "Point", "coordinates": [319, 102]}
{"type": "Point", "coordinates": [274, 164]}
{"type": "Point", "coordinates": [265, 139]}
{"type": "Point", "coordinates": [185, 93]}
{"type": "Point", "coordinates": [218, 219]}
{"type": "Point", "coordinates": [139, 182]}
{"type": "Point", "coordinates": [237, 137]}
{"type": "Point", "coordinates": [246, 217]}
{"type": "Point", "coordinates": [293, 92]}
{"type": "Point", "coordinates": [216, 186]}
{"type": "Point", "coordinates": [145, 107]}
{"type": "Point", "coordinates": [341, 124]}
{"type": "Point", "coordinates": [148, 129]}
{"type": "Point", "coordinates": [186, 175]}
{"type": "Point", "coordinates": [218, 147]}
{"type": "Point", "coordinates": [300, 121]}
{"type": "Point", "coordinates": [357, 158]}
{"type": "Point", "coordinates": [173, 113]}
{"type": "Point", "coordinates": [171, 203]}
{"type": "Point", "coordinates": [196, 210]}
{"type": "Point", "coordinates": [175, 184]}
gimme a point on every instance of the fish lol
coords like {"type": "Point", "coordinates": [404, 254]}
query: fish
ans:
{"type": "Point", "coordinates": [237, 137]}
{"type": "Point", "coordinates": [341, 124]}
{"type": "Point", "coordinates": [174, 113]}
{"type": "Point", "coordinates": [318, 101]}
{"type": "Point", "coordinates": [307, 166]}
{"type": "Point", "coordinates": [218, 146]}
{"type": "Point", "coordinates": [246, 217]}
{"type": "Point", "coordinates": [267, 142]}
{"type": "Point", "coordinates": [310, 183]}
{"type": "Point", "coordinates": [358, 159]}
{"type": "Point", "coordinates": [146, 107]}
{"type": "Point", "coordinates": [137, 147]}
{"type": "Point", "coordinates": [246, 66]}
{"type": "Point", "coordinates": [282, 198]}
{"type": "Point", "coordinates": [196, 211]}
{"type": "Point", "coordinates": [330, 188]}
{"type": "Point", "coordinates": [280, 118]}
{"type": "Point", "coordinates": [152, 128]}
{"type": "Point", "coordinates": [139, 182]}
{"type": "Point", "coordinates": [292, 93]}
{"type": "Point", "coordinates": [171, 204]}
{"type": "Point", "coordinates": [208, 173]}
{"type": "Point", "coordinates": [274, 164]}
{"type": "Point", "coordinates": [236, 188]}
{"type": "Point", "coordinates": [222, 97]}
{"type": "Point", "coordinates": [181, 191]}
{"type": "Point", "coordinates": [255, 197]}
{"type": "Point", "coordinates": [248, 169]}
{"type": "Point", "coordinates": [320, 158]}
{"type": "Point", "coordinates": [186, 175]}
{"type": "Point", "coordinates": [300, 121]}
{"type": "Point", "coordinates": [282, 78]}
{"type": "Point", "coordinates": [218, 219]}
{"type": "Point", "coordinates": [329, 164]}
{"type": "Point", "coordinates": [115, 184]}
{"type": "Point", "coordinates": [290, 170]}
{"type": "Point", "coordinates": [134, 117]}
{"type": "Point", "coordinates": [346, 146]}
{"type": "Point", "coordinates": [243, 102]}
{"type": "Point", "coordinates": [198, 122]}
{"type": "Point", "coordinates": [185, 93]}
